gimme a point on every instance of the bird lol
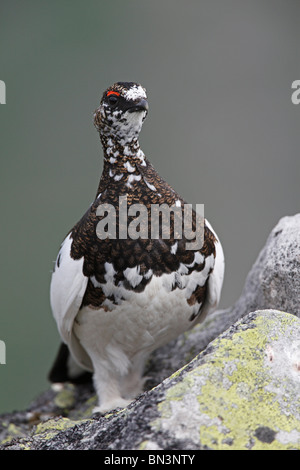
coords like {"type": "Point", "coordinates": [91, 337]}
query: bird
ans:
{"type": "Point", "coordinates": [117, 298]}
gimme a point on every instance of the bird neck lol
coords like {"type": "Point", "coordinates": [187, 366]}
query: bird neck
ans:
{"type": "Point", "coordinates": [122, 159]}
{"type": "Point", "coordinates": [127, 170]}
{"type": "Point", "coordinates": [120, 149]}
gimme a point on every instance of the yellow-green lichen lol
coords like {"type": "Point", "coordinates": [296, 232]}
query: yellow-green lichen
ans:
{"type": "Point", "coordinates": [12, 431]}
{"type": "Point", "coordinates": [235, 392]}
{"type": "Point", "coordinates": [50, 428]}
{"type": "Point", "coordinates": [65, 399]}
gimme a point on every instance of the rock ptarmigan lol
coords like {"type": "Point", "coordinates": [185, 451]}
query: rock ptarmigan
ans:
{"type": "Point", "coordinates": [119, 290]}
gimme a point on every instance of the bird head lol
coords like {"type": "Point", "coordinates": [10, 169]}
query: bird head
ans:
{"type": "Point", "coordinates": [122, 110]}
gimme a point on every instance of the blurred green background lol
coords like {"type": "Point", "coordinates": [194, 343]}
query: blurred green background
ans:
{"type": "Point", "coordinates": [221, 129]}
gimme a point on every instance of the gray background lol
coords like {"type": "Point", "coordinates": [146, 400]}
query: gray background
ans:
{"type": "Point", "coordinates": [221, 129]}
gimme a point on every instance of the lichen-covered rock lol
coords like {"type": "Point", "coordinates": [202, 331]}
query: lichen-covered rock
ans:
{"type": "Point", "coordinates": [241, 392]}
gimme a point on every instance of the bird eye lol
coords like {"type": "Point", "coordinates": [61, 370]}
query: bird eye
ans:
{"type": "Point", "coordinates": [112, 99]}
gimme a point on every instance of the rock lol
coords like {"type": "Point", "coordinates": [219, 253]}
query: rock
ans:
{"type": "Point", "coordinates": [203, 401]}
{"type": "Point", "coordinates": [241, 392]}
{"type": "Point", "coordinates": [274, 280]}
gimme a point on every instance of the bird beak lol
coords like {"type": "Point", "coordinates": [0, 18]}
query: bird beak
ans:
{"type": "Point", "coordinates": [141, 105]}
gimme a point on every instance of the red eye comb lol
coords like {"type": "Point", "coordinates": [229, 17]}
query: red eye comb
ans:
{"type": "Point", "coordinates": [113, 93]}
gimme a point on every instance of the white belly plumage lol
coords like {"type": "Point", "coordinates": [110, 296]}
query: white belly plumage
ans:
{"type": "Point", "coordinates": [142, 322]}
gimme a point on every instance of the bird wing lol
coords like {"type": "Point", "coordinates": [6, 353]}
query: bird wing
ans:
{"type": "Point", "coordinates": [215, 280]}
{"type": "Point", "coordinates": [68, 285]}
